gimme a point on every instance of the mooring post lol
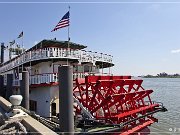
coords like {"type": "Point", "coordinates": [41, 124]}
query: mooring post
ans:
{"type": "Point", "coordinates": [66, 118]}
{"type": "Point", "coordinates": [2, 90]}
{"type": "Point", "coordinates": [24, 88]}
{"type": "Point", "coordinates": [9, 86]}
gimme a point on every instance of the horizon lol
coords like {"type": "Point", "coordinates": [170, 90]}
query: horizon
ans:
{"type": "Point", "coordinates": [142, 37]}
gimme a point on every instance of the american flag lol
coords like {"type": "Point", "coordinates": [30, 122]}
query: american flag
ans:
{"type": "Point", "coordinates": [20, 35]}
{"type": "Point", "coordinates": [63, 22]}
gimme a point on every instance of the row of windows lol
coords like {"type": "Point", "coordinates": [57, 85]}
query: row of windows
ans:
{"type": "Point", "coordinates": [84, 68]}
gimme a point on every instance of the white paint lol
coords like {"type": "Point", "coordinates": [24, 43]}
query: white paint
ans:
{"type": "Point", "coordinates": [42, 96]}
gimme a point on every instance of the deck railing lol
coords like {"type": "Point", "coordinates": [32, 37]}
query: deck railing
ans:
{"type": "Point", "coordinates": [46, 78]}
{"type": "Point", "coordinates": [43, 78]}
{"type": "Point", "coordinates": [46, 53]}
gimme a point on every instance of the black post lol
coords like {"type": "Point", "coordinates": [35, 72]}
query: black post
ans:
{"type": "Point", "coordinates": [9, 86]}
{"type": "Point", "coordinates": [66, 118]}
{"type": "Point", "coordinates": [2, 52]}
{"type": "Point", "coordinates": [2, 90]}
{"type": "Point", "coordinates": [24, 88]}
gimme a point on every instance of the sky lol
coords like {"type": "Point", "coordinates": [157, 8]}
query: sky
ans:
{"type": "Point", "coordinates": [142, 36]}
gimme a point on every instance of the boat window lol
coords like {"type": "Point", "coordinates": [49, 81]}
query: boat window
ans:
{"type": "Point", "coordinates": [51, 52]}
{"type": "Point", "coordinates": [36, 71]}
{"type": "Point", "coordinates": [78, 68]}
{"type": "Point", "coordinates": [93, 69]}
{"type": "Point", "coordinates": [86, 68]}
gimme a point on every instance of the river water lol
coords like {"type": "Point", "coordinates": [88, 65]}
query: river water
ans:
{"type": "Point", "coordinates": [167, 91]}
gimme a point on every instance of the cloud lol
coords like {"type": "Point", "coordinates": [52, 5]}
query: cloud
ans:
{"type": "Point", "coordinates": [175, 51]}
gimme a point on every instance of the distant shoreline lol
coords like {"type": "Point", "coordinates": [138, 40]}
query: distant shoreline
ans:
{"type": "Point", "coordinates": [160, 77]}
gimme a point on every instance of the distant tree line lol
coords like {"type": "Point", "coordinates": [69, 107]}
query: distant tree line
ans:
{"type": "Point", "coordinates": [163, 75]}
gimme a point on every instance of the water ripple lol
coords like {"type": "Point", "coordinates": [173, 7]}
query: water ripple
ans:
{"type": "Point", "coordinates": [166, 90]}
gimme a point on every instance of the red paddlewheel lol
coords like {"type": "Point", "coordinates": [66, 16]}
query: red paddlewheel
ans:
{"type": "Point", "coordinates": [115, 100]}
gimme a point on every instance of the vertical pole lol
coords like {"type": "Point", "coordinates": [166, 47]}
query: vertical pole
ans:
{"type": "Point", "coordinates": [2, 52]}
{"type": "Point", "coordinates": [66, 118]}
{"type": "Point", "coordinates": [24, 88]}
{"type": "Point", "coordinates": [10, 51]}
{"type": "Point", "coordinates": [102, 63]}
{"type": "Point", "coordinates": [110, 67]}
{"type": "Point", "coordinates": [68, 49]}
{"type": "Point", "coordinates": [2, 91]}
{"type": "Point", "coordinates": [22, 47]}
{"type": "Point", "coordinates": [22, 43]}
{"type": "Point", "coordinates": [9, 86]}
{"type": "Point", "coordinates": [69, 28]}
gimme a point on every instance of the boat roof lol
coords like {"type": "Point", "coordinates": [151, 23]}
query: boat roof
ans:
{"type": "Point", "coordinates": [56, 43]}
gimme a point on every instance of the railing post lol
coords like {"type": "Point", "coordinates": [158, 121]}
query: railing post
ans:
{"type": "Point", "coordinates": [66, 118]}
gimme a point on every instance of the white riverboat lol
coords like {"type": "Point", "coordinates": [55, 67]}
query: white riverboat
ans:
{"type": "Point", "coordinates": [42, 62]}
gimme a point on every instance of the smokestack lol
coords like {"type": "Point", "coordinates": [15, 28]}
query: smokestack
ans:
{"type": "Point", "coordinates": [2, 52]}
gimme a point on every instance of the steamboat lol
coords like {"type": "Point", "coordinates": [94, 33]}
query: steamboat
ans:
{"type": "Point", "coordinates": [104, 99]}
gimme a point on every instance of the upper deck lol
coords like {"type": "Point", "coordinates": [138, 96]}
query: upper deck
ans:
{"type": "Point", "coordinates": [47, 50]}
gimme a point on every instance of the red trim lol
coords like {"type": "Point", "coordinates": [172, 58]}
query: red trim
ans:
{"type": "Point", "coordinates": [44, 84]}
{"type": "Point", "coordinates": [43, 74]}
{"type": "Point", "coordinates": [138, 127]}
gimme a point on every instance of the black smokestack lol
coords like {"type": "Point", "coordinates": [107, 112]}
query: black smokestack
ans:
{"type": "Point", "coordinates": [2, 52]}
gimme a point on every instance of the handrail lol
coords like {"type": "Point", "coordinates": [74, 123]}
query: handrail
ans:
{"type": "Point", "coordinates": [53, 52]}
{"type": "Point", "coordinates": [46, 78]}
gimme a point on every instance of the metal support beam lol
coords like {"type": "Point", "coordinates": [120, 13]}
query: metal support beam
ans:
{"type": "Point", "coordinates": [24, 88]}
{"type": "Point", "coordinates": [2, 90]}
{"type": "Point", "coordinates": [9, 86]}
{"type": "Point", "coordinates": [66, 118]}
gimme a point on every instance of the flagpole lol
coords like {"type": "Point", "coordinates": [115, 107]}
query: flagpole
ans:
{"type": "Point", "coordinates": [22, 49]}
{"type": "Point", "coordinates": [68, 49]}
{"type": "Point", "coordinates": [22, 44]}
{"type": "Point", "coordinates": [9, 51]}
{"type": "Point", "coordinates": [69, 27]}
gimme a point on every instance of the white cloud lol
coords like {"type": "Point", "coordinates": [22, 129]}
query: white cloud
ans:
{"type": "Point", "coordinates": [175, 51]}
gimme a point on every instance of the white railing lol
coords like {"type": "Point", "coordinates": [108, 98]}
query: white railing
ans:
{"type": "Point", "coordinates": [46, 53]}
{"type": "Point", "coordinates": [46, 78]}
{"type": "Point", "coordinates": [78, 75]}
{"type": "Point", "coordinates": [43, 78]}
